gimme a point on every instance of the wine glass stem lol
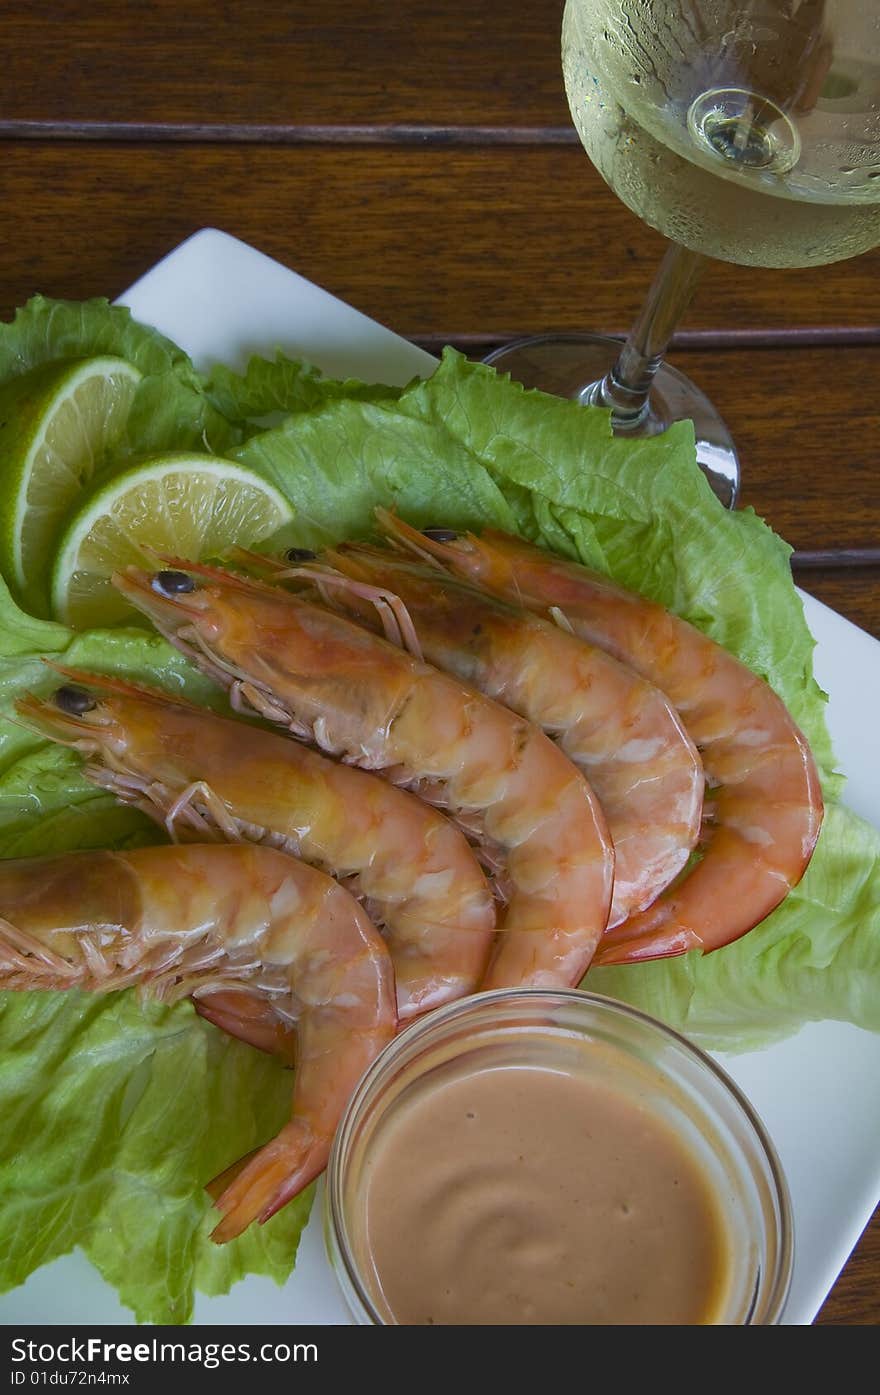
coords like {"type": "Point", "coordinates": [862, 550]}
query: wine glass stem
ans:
{"type": "Point", "coordinates": [626, 388]}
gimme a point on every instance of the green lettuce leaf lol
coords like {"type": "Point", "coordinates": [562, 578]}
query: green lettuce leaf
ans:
{"type": "Point", "coordinates": [115, 1113]}
{"type": "Point", "coordinates": [44, 330]}
{"type": "Point", "coordinates": [337, 462]}
{"type": "Point", "coordinates": [282, 385]}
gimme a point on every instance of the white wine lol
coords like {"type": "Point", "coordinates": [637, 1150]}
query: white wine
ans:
{"type": "Point", "coordinates": [747, 132]}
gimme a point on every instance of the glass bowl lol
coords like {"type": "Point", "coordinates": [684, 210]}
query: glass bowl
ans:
{"type": "Point", "coordinates": [613, 1056]}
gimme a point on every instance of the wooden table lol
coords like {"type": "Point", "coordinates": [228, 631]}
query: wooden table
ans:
{"type": "Point", "coordinates": [418, 160]}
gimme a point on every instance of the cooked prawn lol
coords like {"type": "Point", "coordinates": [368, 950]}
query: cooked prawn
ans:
{"type": "Point", "coordinates": [619, 729]}
{"type": "Point", "coordinates": [230, 926]}
{"type": "Point", "coordinates": [197, 772]}
{"type": "Point", "coordinates": [766, 801]}
{"type": "Point", "coordinates": [361, 698]}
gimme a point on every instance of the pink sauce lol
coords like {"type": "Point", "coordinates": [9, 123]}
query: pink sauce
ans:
{"type": "Point", "coordinates": [523, 1195]}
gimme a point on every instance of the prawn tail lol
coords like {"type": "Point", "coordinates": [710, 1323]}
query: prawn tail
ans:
{"type": "Point", "coordinates": [656, 933]}
{"type": "Point", "coordinates": [269, 1178]}
{"type": "Point", "coordinates": [250, 1019]}
{"type": "Point", "coordinates": [643, 948]}
{"type": "Point", "coordinates": [218, 1185]}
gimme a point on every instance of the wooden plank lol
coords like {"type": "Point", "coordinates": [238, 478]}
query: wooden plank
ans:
{"type": "Point", "coordinates": [446, 242]}
{"type": "Point", "coordinates": [809, 463]}
{"type": "Point", "coordinates": [855, 1298]}
{"type": "Point", "coordinates": [855, 595]}
{"type": "Point", "coordinates": [286, 64]}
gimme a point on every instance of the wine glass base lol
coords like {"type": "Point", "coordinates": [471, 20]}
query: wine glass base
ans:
{"type": "Point", "coordinates": [566, 364]}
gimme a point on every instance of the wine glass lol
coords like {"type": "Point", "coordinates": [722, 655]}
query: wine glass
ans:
{"type": "Point", "coordinates": [743, 130]}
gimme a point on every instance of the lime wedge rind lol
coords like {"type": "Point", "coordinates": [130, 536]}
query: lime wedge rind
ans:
{"type": "Point", "coordinates": [59, 420]}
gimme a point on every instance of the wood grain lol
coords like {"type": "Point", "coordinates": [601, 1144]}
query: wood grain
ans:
{"type": "Point", "coordinates": [286, 62]}
{"type": "Point", "coordinates": [854, 595]}
{"type": "Point", "coordinates": [855, 1298]}
{"type": "Point", "coordinates": [442, 242]}
{"type": "Point", "coordinates": [808, 467]}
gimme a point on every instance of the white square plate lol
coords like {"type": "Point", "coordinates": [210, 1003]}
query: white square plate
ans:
{"type": "Point", "coordinates": [223, 300]}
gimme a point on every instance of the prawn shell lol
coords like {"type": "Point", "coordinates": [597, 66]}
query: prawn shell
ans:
{"type": "Point", "coordinates": [366, 702]}
{"type": "Point", "coordinates": [620, 730]}
{"type": "Point", "coordinates": [765, 791]}
{"type": "Point", "coordinates": [201, 774]}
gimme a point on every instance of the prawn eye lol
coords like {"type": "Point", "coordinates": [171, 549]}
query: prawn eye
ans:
{"type": "Point", "coordinates": [300, 554]}
{"type": "Point", "coordinates": [173, 583]}
{"type": "Point", "coordinates": [74, 701]}
{"type": "Point", "coordinates": [440, 535]}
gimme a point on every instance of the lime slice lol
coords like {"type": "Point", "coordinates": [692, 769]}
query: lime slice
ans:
{"type": "Point", "coordinates": [56, 424]}
{"type": "Point", "coordinates": [191, 506]}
